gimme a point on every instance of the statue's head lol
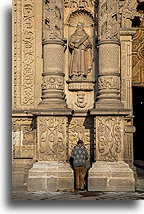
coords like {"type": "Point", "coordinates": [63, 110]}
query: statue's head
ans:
{"type": "Point", "coordinates": [80, 26]}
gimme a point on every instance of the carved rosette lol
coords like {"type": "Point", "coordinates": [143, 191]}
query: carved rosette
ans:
{"type": "Point", "coordinates": [83, 129]}
{"type": "Point", "coordinates": [24, 139]}
{"type": "Point", "coordinates": [52, 139]}
{"type": "Point", "coordinates": [109, 138]}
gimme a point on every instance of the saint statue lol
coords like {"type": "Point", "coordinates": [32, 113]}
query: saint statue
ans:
{"type": "Point", "coordinates": [81, 59]}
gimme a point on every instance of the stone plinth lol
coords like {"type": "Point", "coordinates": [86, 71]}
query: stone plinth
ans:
{"type": "Point", "coordinates": [111, 176]}
{"type": "Point", "coordinates": [50, 177]}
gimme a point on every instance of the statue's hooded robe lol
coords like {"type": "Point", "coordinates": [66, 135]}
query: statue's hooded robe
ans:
{"type": "Point", "coordinates": [81, 59]}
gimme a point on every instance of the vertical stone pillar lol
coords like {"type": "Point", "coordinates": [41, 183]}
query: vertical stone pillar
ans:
{"type": "Point", "coordinates": [109, 172]}
{"type": "Point", "coordinates": [109, 54]}
{"type": "Point", "coordinates": [53, 56]}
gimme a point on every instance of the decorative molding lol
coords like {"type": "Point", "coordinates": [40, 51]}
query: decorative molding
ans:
{"type": "Point", "coordinates": [80, 86]}
{"type": "Point", "coordinates": [53, 83]}
{"type": "Point", "coordinates": [109, 82]}
{"type": "Point", "coordinates": [28, 53]}
{"type": "Point", "coordinates": [79, 3]}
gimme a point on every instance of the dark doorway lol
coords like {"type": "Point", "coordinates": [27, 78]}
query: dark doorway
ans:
{"type": "Point", "coordinates": [138, 111]}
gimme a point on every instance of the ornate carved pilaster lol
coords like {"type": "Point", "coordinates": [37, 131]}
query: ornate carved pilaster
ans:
{"type": "Point", "coordinates": [53, 53]}
{"type": "Point", "coordinates": [109, 49]}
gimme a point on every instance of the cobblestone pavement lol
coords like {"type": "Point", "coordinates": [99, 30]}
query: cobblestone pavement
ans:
{"type": "Point", "coordinates": [24, 195]}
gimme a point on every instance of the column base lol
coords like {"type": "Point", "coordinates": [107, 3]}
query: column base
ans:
{"type": "Point", "coordinates": [113, 104]}
{"type": "Point", "coordinates": [44, 104]}
{"type": "Point", "coordinates": [50, 177]}
{"type": "Point", "coordinates": [111, 176]}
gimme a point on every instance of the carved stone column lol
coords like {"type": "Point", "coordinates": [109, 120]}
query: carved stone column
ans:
{"type": "Point", "coordinates": [109, 49]}
{"type": "Point", "coordinates": [53, 54]}
{"type": "Point", "coordinates": [109, 172]}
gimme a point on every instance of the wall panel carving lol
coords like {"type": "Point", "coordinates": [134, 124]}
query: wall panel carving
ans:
{"type": "Point", "coordinates": [52, 138]}
{"type": "Point", "coordinates": [28, 53]}
{"type": "Point", "coordinates": [82, 128]}
{"type": "Point", "coordinates": [24, 44]}
{"type": "Point", "coordinates": [24, 141]}
{"type": "Point", "coordinates": [138, 56]}
{"type": "Point", "coordinates": [109, 135]}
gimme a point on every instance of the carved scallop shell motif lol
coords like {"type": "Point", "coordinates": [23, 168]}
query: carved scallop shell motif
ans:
{"type": "Point", "coordinates": [83, 16]}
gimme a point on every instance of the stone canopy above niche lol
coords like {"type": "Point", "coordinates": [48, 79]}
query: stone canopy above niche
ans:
{"type": "Point", "coordinates": [78, 3]}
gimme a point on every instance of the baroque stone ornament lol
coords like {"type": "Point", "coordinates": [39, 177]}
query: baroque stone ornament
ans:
{"type": "Point", "coordinates": [138, 56]}
{"type": "Point", "coordinates": [109, 49]}
{"type": "Point", "coordinates": [109, 134]}
{"type": "Point", "coordinates": [24, 138]}
{"type": "Point", "coordinates": [81, 59]}
{"type": "Point", "coordinates": [81, 100]}
{"type": "Point", "coordinates": [53, 56]}
{"type": "Point", "coordinates": [24, 54]}
{"type": "Point", "coordinates": [52, 139]}
{"type": "Point", "coordinates": [127, 11]}
{"type": "Point", "coordinates": [78, 3]}
{"type": "Point", "coordinates": [53, 27]}
{"type": "Point", "coordinates": [83, 129]}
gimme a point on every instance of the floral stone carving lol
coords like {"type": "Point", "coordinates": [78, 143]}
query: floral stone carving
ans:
{"type": "Point", "coordinates": [52, 138]}
{"type": "Point", "coordinates": [109, 134]}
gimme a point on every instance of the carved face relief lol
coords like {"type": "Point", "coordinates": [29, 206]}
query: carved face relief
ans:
{"type": "Point", "coordinates": [81, 100]}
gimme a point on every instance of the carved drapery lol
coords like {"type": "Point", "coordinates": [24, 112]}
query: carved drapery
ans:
{"type": "Point", "coordinates": [109, 138]}
{"type": "Point", "coordinates": [80, 57]}
{"type": "Point", "coordinates": [52, 139]}
{"type": "Point", "coordinates": [108, 47]}
{"type": "Point", "coordinates": [53, 55]}
{"type": "Point", "coordinates": [138, 56]}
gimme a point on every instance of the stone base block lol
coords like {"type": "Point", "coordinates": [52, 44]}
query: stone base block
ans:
{"type": "Point", "coordinates": [20, 168]}
{"type": "Point", "coordinates": [50, 177]}
{"type": "Point", "coordinates": [111, 176]}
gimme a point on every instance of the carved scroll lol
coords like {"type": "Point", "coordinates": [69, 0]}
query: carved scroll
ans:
{"type": "Point", "coordinates": [24, 53]}
{"type": "Point", "coordinates": [51, 139]}
{"type": "Point", "coordinates": [28, 58]}
{"type": "Point", "coordinates": [109, 134]}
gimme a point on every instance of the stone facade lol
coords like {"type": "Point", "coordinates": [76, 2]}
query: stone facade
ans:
{"type": "Point", "coordinates": [72, 79]}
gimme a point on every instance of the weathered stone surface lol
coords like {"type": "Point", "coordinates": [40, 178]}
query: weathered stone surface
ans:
{"type": "Point", "coordinates": [111, 176]}
{"type": "Point", "coordinates": [50, 177]}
